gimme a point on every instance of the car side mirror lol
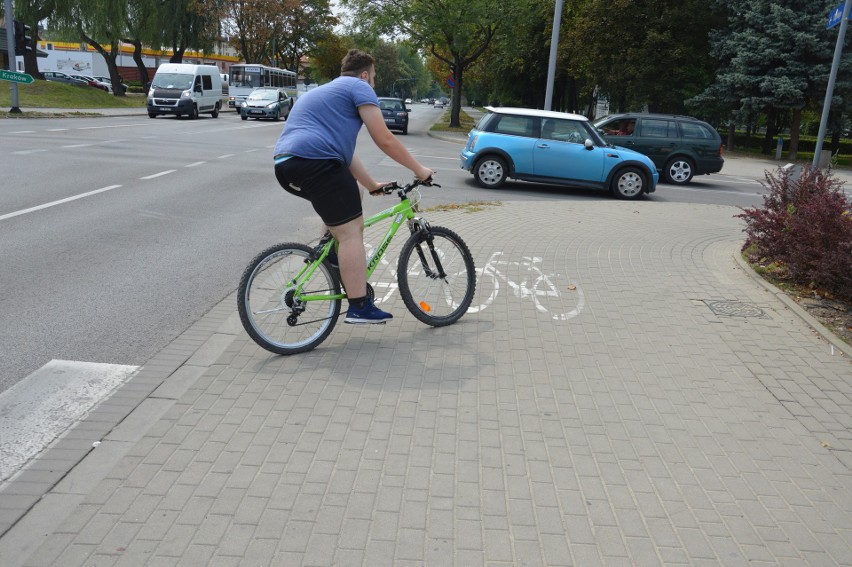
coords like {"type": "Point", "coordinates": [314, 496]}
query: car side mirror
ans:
{"type": "Point", "coordinates": [588, 144]}
{"type": "Point", "coordinates": [197, 88]}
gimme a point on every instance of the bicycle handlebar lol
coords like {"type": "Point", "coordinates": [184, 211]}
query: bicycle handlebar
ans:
{"type": "Point", "coordinates": [403, 189]}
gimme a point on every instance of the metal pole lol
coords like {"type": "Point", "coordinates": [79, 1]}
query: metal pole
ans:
{"type": "Point", "coordinates": [554, 45]}
{"type": "Point", "coordinates": [829, 91]}
{"type": "Point", "coordinates": [10, 52]}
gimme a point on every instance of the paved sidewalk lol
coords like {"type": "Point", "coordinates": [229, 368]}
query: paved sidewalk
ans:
{"type": "Point", "coordinates": [656, 406]}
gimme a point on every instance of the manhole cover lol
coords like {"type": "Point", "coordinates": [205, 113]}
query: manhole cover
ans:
{"type": "Point", "coordinates": [724, 308]}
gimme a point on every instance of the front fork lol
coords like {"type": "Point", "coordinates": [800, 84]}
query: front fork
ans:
{"type": "Point", "coordinates": [416, 225]}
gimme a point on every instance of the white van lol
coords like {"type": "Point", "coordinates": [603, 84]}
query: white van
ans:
{"type": "Point", "coordinates": [185, 89]}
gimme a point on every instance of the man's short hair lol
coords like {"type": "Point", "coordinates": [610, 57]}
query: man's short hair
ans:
{"type": "Point", "coordinates": [356, 62]}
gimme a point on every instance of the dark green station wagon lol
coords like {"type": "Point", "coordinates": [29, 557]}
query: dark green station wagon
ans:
{"type": "Point", "coordinates": [680, 146]}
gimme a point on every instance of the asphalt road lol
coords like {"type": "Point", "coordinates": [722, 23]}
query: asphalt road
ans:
{"type": "Point", "coordinates": [117, 233]}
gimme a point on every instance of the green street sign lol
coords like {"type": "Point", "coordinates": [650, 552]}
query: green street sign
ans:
{"type": "Point", "coordinates": [15, 77]}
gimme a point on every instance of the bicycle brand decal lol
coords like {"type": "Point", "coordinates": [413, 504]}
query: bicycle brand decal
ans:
{"type": "Point", "coordinates": [378, 255]}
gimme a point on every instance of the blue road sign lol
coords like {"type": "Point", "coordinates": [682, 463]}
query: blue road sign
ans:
{"type": "Point", "coordinates": [835, 16]}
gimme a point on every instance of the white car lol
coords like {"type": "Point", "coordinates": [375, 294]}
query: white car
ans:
{"type": "Point", "coordinates": [108, 81]}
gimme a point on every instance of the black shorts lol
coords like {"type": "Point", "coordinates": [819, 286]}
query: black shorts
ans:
{"type": "Point", "coordinates": [326, 183]}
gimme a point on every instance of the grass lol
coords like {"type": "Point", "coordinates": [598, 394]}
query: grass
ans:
{"type": "Point", "coordinates": [52, 94]}
{"type": "Point", "coordinates": [443, 124]}
{"type": "Point", "coordinates": [472, 207]}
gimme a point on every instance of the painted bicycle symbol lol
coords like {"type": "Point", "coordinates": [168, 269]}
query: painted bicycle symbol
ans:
{"type": "Point", "coordinates": [550, 294]}
{"type": "Point", "coordinates": [534, 284]}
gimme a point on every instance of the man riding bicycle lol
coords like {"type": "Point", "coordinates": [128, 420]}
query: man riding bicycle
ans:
{"type": "Point", "coordinates": [315, 159]}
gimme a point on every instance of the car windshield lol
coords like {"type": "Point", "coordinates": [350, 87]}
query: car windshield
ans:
{"type": "Point", "coordinates": [173, 81]}
{"type": "Point", "coordinates": [264, 95]}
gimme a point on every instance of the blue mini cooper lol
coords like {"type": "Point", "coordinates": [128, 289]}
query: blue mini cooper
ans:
{"type": "Point", "coordinates": [553, 147]}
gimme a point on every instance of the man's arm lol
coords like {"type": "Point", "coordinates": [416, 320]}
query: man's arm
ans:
{"type": "Point", "coordinates": [388, 143]}
{"type": "Point", "coordinates": [359, 172]}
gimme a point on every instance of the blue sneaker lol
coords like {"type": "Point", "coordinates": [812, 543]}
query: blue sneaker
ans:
{"type": "Point", "coordinates": [369, 314]}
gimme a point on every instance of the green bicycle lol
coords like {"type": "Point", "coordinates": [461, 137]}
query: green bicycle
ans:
{"type": "Point", "coordinates": [289, 296]}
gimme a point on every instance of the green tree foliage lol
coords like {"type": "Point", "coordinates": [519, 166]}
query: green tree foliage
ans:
{"type": "Point", "coordinates": [456, 32]}
{"type": "Point", "coordinates": [326, 57]}
{"type": "Point", "coordinates": [640, 52]}
{"type": "Point", "coordinates": [302, 26]}
{"type": "Point", "coordinates": [277, 33]}
{"type": "Point", "coordinates": [33, 12]}
{"type": "Point", "coordinates": [772, 56]}
{"type": "Point", "coordinates": [99, 23]}
{"type": "Point", "coordinates": [188, 25]}
{"type": "Point", "coordinates": [513, 72]}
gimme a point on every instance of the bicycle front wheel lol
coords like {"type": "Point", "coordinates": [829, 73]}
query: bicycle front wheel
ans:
{"type": "Point", "coordinates": [269, 310]}
{"type": "Point", "coordinates": [436, 276]}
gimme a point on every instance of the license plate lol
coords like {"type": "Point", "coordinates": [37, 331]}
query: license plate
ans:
{"type": "Point", "coordinates": [255, 112]}
{"type": "Point", "coordinates": [161, 108]}
{"type": "Point", "coordinates": [390, 120]}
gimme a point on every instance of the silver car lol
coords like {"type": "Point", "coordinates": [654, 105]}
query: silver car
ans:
{"type": "Point", "coordinates": [265, 102]}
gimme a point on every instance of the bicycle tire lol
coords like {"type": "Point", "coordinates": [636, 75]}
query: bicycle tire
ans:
{"type": "Point", "coordinates": [262, 301]}
{"type": "Point", "coordinates": [434, 301]}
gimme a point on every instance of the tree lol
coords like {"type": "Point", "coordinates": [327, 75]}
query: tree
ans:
{"type": "Point", "coordinates": [456, 32]}
{"type": "Point", "coordinates": [514, 69]}
{"type": "Point", "coordinates": [251, 24]}
{"type": "Point", "coordinates": [188, 24]}
{"type": "Point", "coordinates": [302, 25]}
{"type": "Point", "coordinates": [638, 51]}
{"type": "Point", "coordinates": [773, 57]}
{"type": "Point", "coordinates": [33, 12]}
{"type": "Point", "coordinates": [326, 57]}
{"type": "Point", "coordinates": [99, 23]}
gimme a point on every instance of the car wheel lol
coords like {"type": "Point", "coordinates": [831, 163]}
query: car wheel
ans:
{"type": "Point", "coordinates": [490, 171]}
{"type": "Point", "coordinates": [215, 113]}
{"type": "Point", "coordinates": [629, 183]}
{"type": "Point", "coordinates": [405, 130]}
{"type": "Point", "coordinates": [152, 115]}
{"type": "Point", "coordinates": [277, 115]}
{"type": "Point", "coordinates": [679, 171]}
{"type": "Point", "coordinates": [243, 116]}
{"type": "Point", "coordinates": [193, 113]}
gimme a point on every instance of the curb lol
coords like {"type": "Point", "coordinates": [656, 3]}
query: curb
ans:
{"type": "Point", "coordinates": [447, 137]}
{"type": "Point", "coordinates": [823, 331]}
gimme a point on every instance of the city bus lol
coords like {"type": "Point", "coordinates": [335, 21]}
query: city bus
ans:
{"type": "Point", "coordinates": [245, 77]}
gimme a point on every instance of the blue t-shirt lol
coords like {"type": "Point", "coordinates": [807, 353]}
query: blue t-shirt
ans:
{"type": "Point", "coordinates": [324, 122]}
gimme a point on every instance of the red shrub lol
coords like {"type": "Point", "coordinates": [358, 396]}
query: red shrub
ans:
{"type": "Point", "coordinates": [806, 225]}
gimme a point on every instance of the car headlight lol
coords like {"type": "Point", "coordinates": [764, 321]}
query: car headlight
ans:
{"type": "Point", "coordinates": [186, 94]}
{"type": "Point", "coordinates": [271, 105]}
{"type": "Point", "coordinates": [243, 104]}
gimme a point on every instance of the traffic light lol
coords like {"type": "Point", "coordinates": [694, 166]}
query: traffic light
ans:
{"type": "Point", "coordinates": [23, 39]}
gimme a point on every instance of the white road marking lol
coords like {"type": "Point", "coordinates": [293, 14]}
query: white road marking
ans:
{"type": "Point", "coordinates": [111, 126]}
{"type": "Point", "coordinates": [168, 171]}
{"type": "Point", "coordinates": [23, 132]}
{"type": "Point", "coordinates": [195, 164]}
{"type": "Point", "coordinates": [27, 152]}
{"type": "Point", "coordinates": [59, 202]}
{"type": "Point", "coordinates": [78, 146]}
{"type": "Point", "coordinates": [456, 158]}
{"type": "Point", "coordinates": [42, 406]}
{"type": "Point", "coordinates": [225, 156]}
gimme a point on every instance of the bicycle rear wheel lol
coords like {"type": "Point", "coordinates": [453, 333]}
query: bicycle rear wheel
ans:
{"type": "Point", "coordinates": [433, 299]}
{"type": "Point", "coordinates": [270, 314]}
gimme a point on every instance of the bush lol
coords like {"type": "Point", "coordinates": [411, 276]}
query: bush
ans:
{"type": "Point", "coordinates": [805, 227]}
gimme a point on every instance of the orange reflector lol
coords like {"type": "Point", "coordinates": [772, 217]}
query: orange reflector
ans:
{"type": "Point", "coordinates": [425, 307]}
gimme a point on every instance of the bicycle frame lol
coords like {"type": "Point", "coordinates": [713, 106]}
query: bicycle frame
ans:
{"type": "Point", "coordinates": [402, 212]}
